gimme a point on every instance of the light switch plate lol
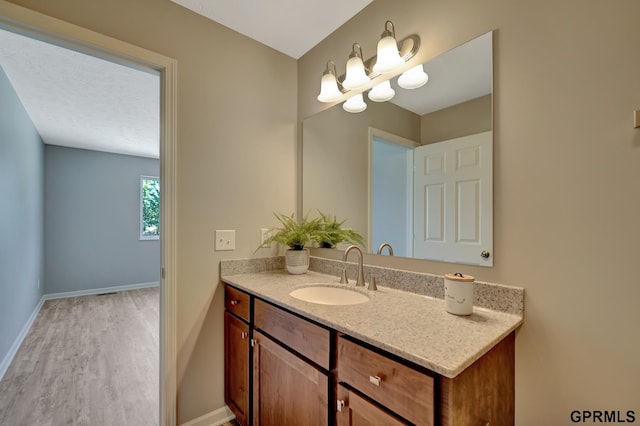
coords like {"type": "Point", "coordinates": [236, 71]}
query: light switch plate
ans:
{"type": "Point", "coordinates": [264, 234]}
{"type": "Point", "coordinates": [225, 240]}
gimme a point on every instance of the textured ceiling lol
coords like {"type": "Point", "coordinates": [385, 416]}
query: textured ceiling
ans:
{"type": "Point", "coordinates": [81, 101]}
{"type": "Point", "coordinates": [292, 27]}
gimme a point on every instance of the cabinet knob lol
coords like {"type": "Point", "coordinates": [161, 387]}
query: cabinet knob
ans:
{"type": "Point", "coordinates": [485, 254]}
{"type": "Point", "coordinates": [375, 380]}
{"type": "Point", "coordinates": [244, 334]}
{"type": "Point", "coordinates": [340, 405]}
{"type": "Point", "coordinates": [234, 302]}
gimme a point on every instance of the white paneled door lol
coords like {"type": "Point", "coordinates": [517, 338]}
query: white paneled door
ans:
{"type": "Point", "coordinates": [453, 200]}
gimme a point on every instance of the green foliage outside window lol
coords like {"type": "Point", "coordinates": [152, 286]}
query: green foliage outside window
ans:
{"type": "Point", "coordinates": [150, 207]}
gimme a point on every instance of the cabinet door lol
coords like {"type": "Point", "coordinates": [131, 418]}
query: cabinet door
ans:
{"type": "Point", "coordinates": [236, 360]}
{"type": "Point", "coordinates": [286, 389]}
{"type": "Point", "coordinates": [353, 410]}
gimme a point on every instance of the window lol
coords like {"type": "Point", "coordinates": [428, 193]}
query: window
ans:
{"type": "Point", "coordinates": [149, 208]}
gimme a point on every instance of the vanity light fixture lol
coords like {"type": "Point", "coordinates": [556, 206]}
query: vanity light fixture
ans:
{"type": "Point", "coordinates": [382, 92]}
{"type": "Point", "coordinates": [388, 57]}
{"type": "Point", "coordinates": [329, 91]}
{"type": "Point", "coordinates": [384, 66]}
{"type": "Point", "coordinates": [356, 74]}
{"type": "Point", "coordinates": [354, 104]}
{"type": "Point", "coordinates": [413, 78]}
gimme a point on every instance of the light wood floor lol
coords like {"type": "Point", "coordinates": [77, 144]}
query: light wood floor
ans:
{"type": "Point", "coordinates": [90, 360]}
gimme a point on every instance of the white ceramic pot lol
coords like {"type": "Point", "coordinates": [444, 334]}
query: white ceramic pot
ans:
{"type": "Point", "coordinates": [458, 293]}
{"type": "Point", "coordinates": [297, 261]}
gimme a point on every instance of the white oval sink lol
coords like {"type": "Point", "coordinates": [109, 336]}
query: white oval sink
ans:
{"type": "Point", "coordinates": [327, 295]}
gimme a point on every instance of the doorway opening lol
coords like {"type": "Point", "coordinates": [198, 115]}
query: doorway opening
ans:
{"type": "Point", "coordinates": [35, 25]}
{"type": "Point", "coordinates": [391, 192]}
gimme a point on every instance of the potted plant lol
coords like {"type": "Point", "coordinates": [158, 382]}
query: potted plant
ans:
{"type": "Point", "coordinates": [331, 232]}
{"type": "Point", "coordinates": [295, 234]}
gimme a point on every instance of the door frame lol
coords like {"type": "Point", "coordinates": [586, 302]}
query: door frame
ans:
{"type": "Point", "coordinates": [374, 133]}
{"type": "Point", "coordinates": [37, 25]}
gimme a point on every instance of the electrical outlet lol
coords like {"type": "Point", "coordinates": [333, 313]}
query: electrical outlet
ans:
{"type": "Point", "coordinates": [264, 234]}
{"type": "Point", "coordinates": [225, 240]}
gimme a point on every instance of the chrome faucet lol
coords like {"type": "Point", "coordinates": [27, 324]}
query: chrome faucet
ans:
{"type": "Point", "coordinates": [387, 245]}
{"type": "Point", "coordinates": [360, 279]}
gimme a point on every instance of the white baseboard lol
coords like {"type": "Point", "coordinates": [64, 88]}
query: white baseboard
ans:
{"type": "Point", "coordinates": [93, 291]}
{"type": "Point", "coordinates": [214, 418]}
{"type": "Point", "coordinates": [4, 365]}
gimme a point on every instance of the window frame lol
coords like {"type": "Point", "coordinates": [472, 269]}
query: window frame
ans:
{"type": "Point", "coordinates": [142, 236]}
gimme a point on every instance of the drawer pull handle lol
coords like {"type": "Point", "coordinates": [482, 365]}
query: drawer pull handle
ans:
{"type": "Point", "coordinates": [234, 302]}
{"type": "Point", "coordinates": [375, 380]}
{"type": "Point", "coordinates": [340, 405]}
{"type": "Point", "coordinates": [244, 335]}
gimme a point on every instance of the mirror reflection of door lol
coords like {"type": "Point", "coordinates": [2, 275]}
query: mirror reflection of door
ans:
{"type": "Point", "coordinates": [453, 200]}
{"type": "Point", "coordinates": [432, 201]}
{"type": "Point", "coordinates": [391, 193]}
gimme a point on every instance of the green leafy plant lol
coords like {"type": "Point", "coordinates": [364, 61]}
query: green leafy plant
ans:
{"type": "Point", "coordinates": [295, 234]}
{"type": "Point", "coordinates": [330, 232]}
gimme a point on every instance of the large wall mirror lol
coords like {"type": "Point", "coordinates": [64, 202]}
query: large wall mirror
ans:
{"type": "Point", "coordinates": [414, 172]}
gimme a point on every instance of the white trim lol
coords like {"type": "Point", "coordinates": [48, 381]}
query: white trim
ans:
{"type": "Point", "coordinates": [47, 28]}
{"type": "Point", "coordinates": [213, 418]}
{"type": "Point", "coordinates": [93, 291]}
{"type": "Point", "coordinates": [4, 365]}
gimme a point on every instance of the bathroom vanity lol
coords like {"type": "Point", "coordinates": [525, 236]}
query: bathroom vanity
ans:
{"type": "Point", "coordinates": [396, 359]}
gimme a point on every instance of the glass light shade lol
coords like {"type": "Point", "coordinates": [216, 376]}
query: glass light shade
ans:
{"type": "Point", "coordinates": [388, 58]}
{"type": "Point", "coordinates": [329, 91]}
{"type": "Point", "coordinates": [413, 78]}
{"type": "Point", "coordinates": [382, 92]}
{"type": "Point", "coordinates": [354, 104]}
{"type": "Point", "coordinates": [356, 76]}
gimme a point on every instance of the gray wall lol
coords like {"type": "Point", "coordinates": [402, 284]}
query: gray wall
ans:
{"type": "Point", "coordinates": [92, 221]}
{"type": "Point", "coordinates": [21, 210]}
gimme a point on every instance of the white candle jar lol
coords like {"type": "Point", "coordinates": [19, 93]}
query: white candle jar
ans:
{"type": "Point", "coordinates": [458, 293]}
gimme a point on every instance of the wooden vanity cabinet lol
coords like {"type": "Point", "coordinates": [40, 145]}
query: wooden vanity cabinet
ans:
{"type": "Point", "coordinates": [286, 389]}
{"type": "Point", "coordinates": [237, 352]}
{"type": "Point", "coordinates": [290, 369]}
{"type": "Point", "coordinates": [482, 394]}
{"type": "Point", "coordinates": [402, 389]}
{"type": "Point", "coordinates": [282, 369]}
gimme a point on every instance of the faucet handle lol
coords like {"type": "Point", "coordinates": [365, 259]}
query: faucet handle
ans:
{"type": "Point", "coordinates": [372, 283]}
{"type": "Point", "coordinates": [343, 277]}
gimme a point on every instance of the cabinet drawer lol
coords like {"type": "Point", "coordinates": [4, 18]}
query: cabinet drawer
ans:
{"type": "Point", "coordinates": [403, 390]}
{"type": "Point", "coordinates": [237, 301]}
{"type": "Point", "coordinates": [304, 337]}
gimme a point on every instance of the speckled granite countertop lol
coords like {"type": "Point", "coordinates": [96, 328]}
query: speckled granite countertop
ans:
{"type": "Point", "coordinates": [412, 326]}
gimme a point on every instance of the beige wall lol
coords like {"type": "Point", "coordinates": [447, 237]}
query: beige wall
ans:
{"type": "Point", "coordinates": [463, 119]}
{"type": "Point", "coordinates": [567, 182]}
{"type": "Point", "coordinates": [335, 155]}
{"type": "Point", "coordinates": [236, 159]}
